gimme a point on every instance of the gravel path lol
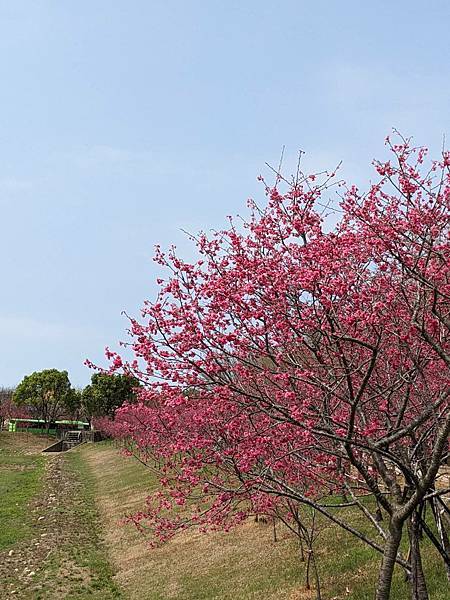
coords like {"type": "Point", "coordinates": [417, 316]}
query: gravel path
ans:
{"type": "Point", "coordinates": [21, 570]}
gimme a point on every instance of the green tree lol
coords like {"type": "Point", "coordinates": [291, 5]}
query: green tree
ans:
{"type": "Point", "coordinates": [73, 403]}
{"type": "Point", "coordinates": [49, 393]}
{"type": "Point", "coordinates": [106, 393]}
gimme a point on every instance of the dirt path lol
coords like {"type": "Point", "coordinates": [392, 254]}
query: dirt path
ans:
{"type": "Point", "coordinates": [52, 563]}
{"type": "Point", "coordinates": [19, 566]}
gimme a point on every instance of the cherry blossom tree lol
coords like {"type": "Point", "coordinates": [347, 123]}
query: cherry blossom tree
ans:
{"type": "Point", "coordinates": [294, 361]}
{"type": "Point", "coordinates": [8, 409]}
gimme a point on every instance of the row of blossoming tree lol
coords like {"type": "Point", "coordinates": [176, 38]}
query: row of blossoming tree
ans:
{"type": "Point", "coordinates": [295, 364]}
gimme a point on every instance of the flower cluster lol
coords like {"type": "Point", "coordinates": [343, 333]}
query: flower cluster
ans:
{"type": "Point", "coordinates": [290, 361]}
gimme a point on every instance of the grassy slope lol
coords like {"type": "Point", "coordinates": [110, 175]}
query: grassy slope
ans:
{"type": "Point", "coordinates": [245, 563]}
{"type": "Point", "coordinates": [21, 470]}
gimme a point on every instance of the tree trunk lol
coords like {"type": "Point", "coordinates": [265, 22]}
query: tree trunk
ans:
{"type": "Point", "coordinates": [308, 567]}
{"type": "Point", "coordinates": [388, 562]}
{"type": "Point", "coordinates": [442, 532]}
{"type": "Point", "coordinates": [417, 578]}
{"type": "Point", "coordinates": [316, 576]}
{"type": "Point", "coordinates": [300, 542]}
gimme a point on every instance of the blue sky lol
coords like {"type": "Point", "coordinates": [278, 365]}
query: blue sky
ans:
{"type": "Point", "coordinates": [123, 122]}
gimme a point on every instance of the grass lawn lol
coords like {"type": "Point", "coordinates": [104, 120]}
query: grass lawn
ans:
{"type": "Point", "coordinates": [21, 470]}
{"type": "Point", "coordinates": [60, 537]}
{"type": "Point", "coordinates": [244, 563]}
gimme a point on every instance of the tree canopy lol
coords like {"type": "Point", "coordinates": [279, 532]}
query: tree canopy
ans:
{"type": "Point", "coordinates": [106, 393]}
{"type": "Point", "coordinates": [48, 393]}
{"type": "Point", "coordinates": [316, 362]}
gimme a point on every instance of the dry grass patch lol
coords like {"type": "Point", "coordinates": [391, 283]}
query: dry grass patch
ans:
{"type": "Point", "coordinates": [245, 563]}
